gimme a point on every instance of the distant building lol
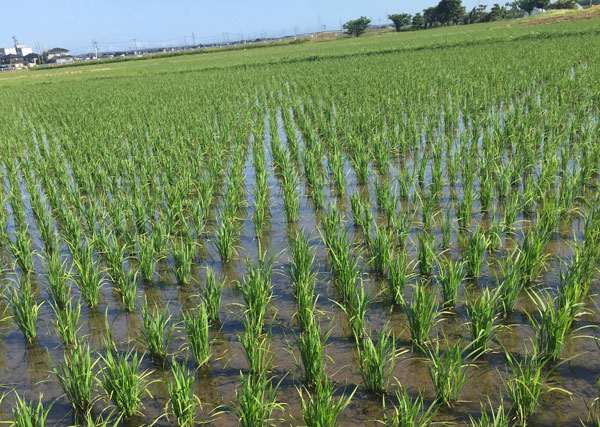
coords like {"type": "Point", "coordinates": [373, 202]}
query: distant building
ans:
{"type": "Point", "coordinates": [56, 56]}
{"type": "Point", "coordinates": [31, 58]}
{"type": "Point", "coordinates": [23, 50]}
{"type": "Point", "coordinates": [8, 51]}
{"type": "Point", "coordinates": [12, 62]}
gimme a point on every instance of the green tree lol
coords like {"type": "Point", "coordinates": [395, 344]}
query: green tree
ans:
{"type": "Point", "coordinates": [358, 26]}
{"type": "Point", "coordinates": [418, 23]}
{"type": "Point", "coordinates": [496, 13]}
{"type": "Point", "coordinates": [449, 11]}
{"type": "Point", "coordinates": [529, 5]}
{"type": "Point", "coordinates": [430, 17]}
{"type": "Point", "coordinates": [563, 4]}
{"type": "Point", "coordinates": [400, 20]}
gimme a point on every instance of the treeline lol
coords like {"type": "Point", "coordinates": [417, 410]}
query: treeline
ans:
{"type": "Point", "coordinates": [452, 12]}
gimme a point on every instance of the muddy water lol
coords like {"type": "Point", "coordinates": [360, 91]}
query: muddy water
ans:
{"type": "Point", "coordinates": [27, 368]}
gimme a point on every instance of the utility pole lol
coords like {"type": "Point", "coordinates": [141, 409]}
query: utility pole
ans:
{"type": "Point", "coordinates": [193, 40]}
{"type": "Point", "coordinates": [135, 46]}
{"type": "Point", "coordinates": [15, 41]}
{"type": "Point", "coordinates": [184, 42]}
{"type": "Point", "coordinates": [95, 43]}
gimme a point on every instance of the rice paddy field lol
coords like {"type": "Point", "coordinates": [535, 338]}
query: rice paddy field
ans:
{"type": "Point", "coordinates": [399, 229]}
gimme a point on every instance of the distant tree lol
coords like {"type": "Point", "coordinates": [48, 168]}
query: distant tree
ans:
{"type": "Point", "coordinates": [418, 23]}
{"type": "Point", "coordinates": [400, 20]}
{"type": "Point", "coordinates": [497, 12]}
{"type": "Point", "coordinates": [430, 17]}
{"type": "Point", "coordinates": [450, 11]}
{"type": "Point", "coordinates": [563, 4]}
{"type": "Point", "coordinates": [358, 26]}
{"type": "Point", "coordinates": [529, 5]}
{"type": "Point", "coordinates": [477, 14]}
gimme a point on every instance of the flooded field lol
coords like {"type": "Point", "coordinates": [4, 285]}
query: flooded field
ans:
{"type": "Point", "coordinates": [384, 232]}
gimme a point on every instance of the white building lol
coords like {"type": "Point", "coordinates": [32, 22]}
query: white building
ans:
{"type": "Point", "coordinates": [23, 50]}
{"type": "Point", "coordinates": [8, 51]}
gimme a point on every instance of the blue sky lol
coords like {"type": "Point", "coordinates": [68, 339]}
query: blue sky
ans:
{"type": "Point", "coordinates": [73, 24]}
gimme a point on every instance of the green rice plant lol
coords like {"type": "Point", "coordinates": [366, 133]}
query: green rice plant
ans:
{"type": "Point", "coordinates": [532, 259]}
{"type": "Point", "coordinates": [256, 288]}
{"type": "Point", "coordinates": [76, 376]}
{"type": "Point", "coordinates": [124, 385]}
{"type": "Point", "coordinates": [360, 161]}
{"type": "Point", "coordinates": [28, 414]}
{"type": "Point", "coordinates": [423, 314]}
{"type": "Point", "coordinates": [211, 295]}
{"type": "Point", "coordinates": [405, 182]}
{"type": "Point", "coordinates": [182, 400]}
{"type": "Point", "coordinates": [126, 286]}
{"type": "Point", "coordinates": [511, 211]}
{"type": "Point", "coordinates": [382, 250]}
{"type": "Point", "coordinates": [88, 280]}
{"type": "Point", "coordinates": [157, 333]}
{"type": "Point", "coordinates": [24, 308]}
{"type": "Point", "coordinates": [362, 214]}
{"type": "Point", "coordinates": [197, 326]}
{"type": "Point", "coordinates": [225, 241]}
{"type": "Point", "coordinates": [356, 308]}
{"type": "Point", "coordinates": [465, 209]}
{"type": "Point", "coordinates": [527, 382]}
{"type": "Point", "coordinates": [320, 409]}
{"type": "Point", "coordinates": [511, 285]}
{"type": "Point", "coordinates": [58, 276]}
{"type": "Point", "coordinates": [302, 259]}
{"type": "Point", "coordinates": [257, 347]}
{"type": "Point", "coordinates": [146, 256]}
{"type": "Point", "coordinates": [377, 359]}
{"type": "Point", "coordinates": [410, 412]}
{"type": "Point", "coordinates": [291, 199]}
{"type": "Point", "coordinates": [399, 273]}
{"type": "Point", "coordinates": [427, 255]}
{"type": "Point", "coordinates": [310, 346]}
{"type": "Point", "coordinates": [184, 252]}
{"type": "Point", "coordinates": [551, 325]}
{"type": "Point", "coordinates": [450, 276]}
{"type": "Point", "coordinates": [447, 228]}
{"type": "Point", "coordinates": [256, 400]}
{"type": "Point", "coordinates": [66, 322]}
{"type": "Point", "coordinates": [22, 250]}
{"type": "Point", "coordinates": [404, 223]}
{"type": "Point", "coordinates": [115, 254]}
{"type": "Point", "coordinates": [483, 314]}
{"type": "Point", "coordinates": [498, 418]}
{"type": "Point", "coordinates": [447, 370]}
{"type": "Point", "coordinates": [476, 247]}
{"type": "Point", "coordinates": [383, 192]}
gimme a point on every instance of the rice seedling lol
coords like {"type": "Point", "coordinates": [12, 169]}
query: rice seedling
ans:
{"type": "Point", "coordinates": [22, 250]}
{"type": "Point", "coordinates": [427, 255]}
{"type": "Point", "coordinates": [476, 246]}
{"type": "Point", "coordinates": [76, 376]}
{"type": "Point", "coordinates": [146, 256]}
{"type": "Point", "coordinates": [447, 370]}
{"type": "Point", "coordinates": [377, 359]}
{"type": "Point", "coordinates": [301, 261]}
{"type": "Point", "coordinates": [400, 272]}
{"type": "Point", "coordinates": [157, 333]}
{"type": "Point", "coordinates": [511, 285]}
{"type": "Point", "coordinates": [483, 314]}
{"type": "Point", "coordinates": [211, 295]}
{"type": "Point", "coordinates": [447, 228]}
{"type": "Point", "coordinates": [257, 348]}
{"type": "Point", "coordinates": [382, 250]}
{"type": "Point", "coordinates": [122, 381]}
{"type": "Point", "coordinates": [256, 400]}
{"type": "Point", "coordinates": [182, 400]}
{"type": "Point", "coordinates": [88, 280]}
{"type": "Point", "coordinates": [356, 308]}
{"type": "Point", "coordinates": [551, 325]}
{"type": "Point", "coordinates": [29, 414]}
{"type": "Point", "coordinates": [66, 322]}
{"type": "Point", "coordinates": [196, 326]}
{"type": "Point", "coordinates": [126, 286]}
{"type": "Point", "coordinates": [256, 289]}
{"type": "Point", "coordinates": [450, 276]}
{"type": "Point", "coordinates": [423, 314]}
{"type": "Point", "coordinates": [410, 412]}
{"type": "Point", "coordinates": [311, 346]}
{"type": "Point", "coordinates": [320, 409]}
{"type": "Point", "coordinates": [527, 383]}
{"type": "Point", "coordinates": [291, 199]}
{"type": "Point", "coordinates": [58, 276]}
{"type": "Point", "coordinates": [24, 308]}
{"type": "Point", "coordinates": [498, 418]}
{"type": "Point", "coordinates": [184, 252]}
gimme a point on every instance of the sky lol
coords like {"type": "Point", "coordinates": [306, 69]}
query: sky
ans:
{"type": "Point", "coordinates": [114, 24]}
